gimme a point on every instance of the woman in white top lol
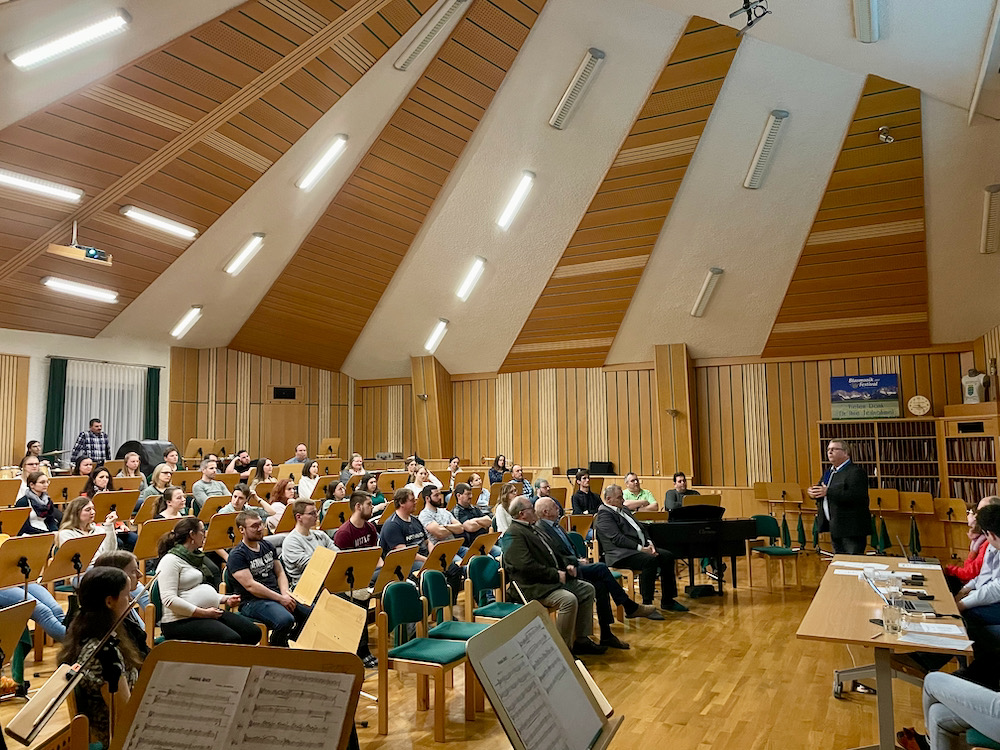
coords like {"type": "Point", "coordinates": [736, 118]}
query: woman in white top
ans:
{"type": "Point", "coordinates": [192, 606]}
{"type": "Point", "coordinates": [78, 521]}
{"type": "Point", "coordinates": [309, 479]}
{"type": "Point", "coordinates": [282, 496]}
{"type": "Point", "coordinates": [421, 480]}
{"type": "Point", "coordinates": [264, 474]}
{"type": "Point", "coordinates": [502, 517]}
{"type": "Point", "coordinates": [170, 504]}
{"type": "Point", "coordinates": [131, 469]}
{"type": "Point", "coordinates": [453, 466]}
{"type": "Point", "coordinates": [480, 493]}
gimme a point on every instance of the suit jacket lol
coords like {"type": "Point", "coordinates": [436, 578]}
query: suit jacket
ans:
{"type": "Point", "coordinates": [847, 500]}
{"type": "Point", "coordinates": [529, 563]}
{"type": "Point", "coordinates": [566, 556]}
{"type": "Point", "coordinates": [617, 537]}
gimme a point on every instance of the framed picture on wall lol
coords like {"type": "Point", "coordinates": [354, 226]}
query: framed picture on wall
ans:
{"type": "Point", "coordinates": [865, 397]}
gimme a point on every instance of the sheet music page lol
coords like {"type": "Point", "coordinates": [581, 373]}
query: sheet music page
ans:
{"type": "Point", "coordinates": [291, 707]}
{"type": "Point", "coordinates": [540, 692]}
{"type": "Point", "coordinates": [205, 696]}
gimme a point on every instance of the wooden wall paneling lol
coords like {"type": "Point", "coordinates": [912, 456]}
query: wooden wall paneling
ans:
{"type": "Point", "coordinates": [703, 468]}
{"type": "Point", "coordinates": [516, 419]}
{"type": "Point", "coordinates": [13, 407]}
{"type": "Point", "coordinates": [432, 415]}
{"type": "Point", "coordinates": [740, 478]}
{"type": "Point", "coordinates": [617, 419]}
{"type": "Point", "coordinates": [677, 435]}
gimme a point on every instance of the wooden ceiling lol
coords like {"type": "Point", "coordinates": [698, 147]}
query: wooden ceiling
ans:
{"type": "Point", "coordinates": [337, 276]}
{"type": "Point", "coordinates": [861, 281]}
{"type": "Point", "coordinates": [182, 132]}
{"type": "Point", "coordinates": [575, 320]}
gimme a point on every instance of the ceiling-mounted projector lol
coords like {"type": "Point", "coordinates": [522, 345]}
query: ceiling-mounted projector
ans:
{"type": "Point", "coordinates": [77, 251]}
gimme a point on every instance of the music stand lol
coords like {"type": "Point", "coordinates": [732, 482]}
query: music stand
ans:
{"type": "Point", "coordinates": [286, 523]}
{"type": "Point", "coordinates": [335, 624]}
{"type": "Point", "coordinates": [64, 489]}
{"type": "Point", "coordinates": [481, 545]}
{"type": "Point", "coordinates": [314, 576]}
{"type": "Point", "coordinates": [13, 621]}
{"type": "Point", "coordinates": [12, 520]}
{"type": "Point", "coordinates": [319, 491]}
{"type": "Point", "coordinates": [212, 506]}
{"type": "Point", "coordinates": [185, 480]}
{"type": "Point", "coordinates": [336, 515]}
{"type": "Point", "coordinates": [441, 555]}
{"type": "Point", "coordinates": [352, 570]}
{"type": "Point", "coordinates": [145, 513]}
{"type": "Point", "coordinates": [8, 491]}
{"type": "Point", "coordinates": [397, 567]}
{"type": "Point", "coordinates": [21, 556]}
{"type": "Point", "coordinates": [149, 537]}
{"type": "Point", "coordinates": [128, 483]}
{"type": "Point", "coordinates": [72, 558]}
{"type": "Point", "coordinates": [579, 522]}
{"type": "Point", "coordinates": [105, 502]}
{"type": "Point", "coordinates": [223, 533]}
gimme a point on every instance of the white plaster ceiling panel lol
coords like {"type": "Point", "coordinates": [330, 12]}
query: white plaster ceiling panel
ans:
{"type": "Point", "coordinates": [154, 24]}
{"type": "Point", "coordinates": [756, 236]}
{"type": "Point", "coordinates": [514, 136]}
{"type": "Point", "coordinates": [274, 206]}
{"type": "Point", "coordinates": [933, 46]}
{"type": "Point", "coordinates": [959, 162]}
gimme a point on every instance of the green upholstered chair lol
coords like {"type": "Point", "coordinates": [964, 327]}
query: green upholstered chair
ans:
{"type": "Point", "coordinates": [402, 605]}
{"type": "Point", "coordinates": [767, 526]}
{"type": "Point", "coordinates": [978, 739]}
{"type": "Point", "coordinates": [624, 576]}
{"type": "Point", "coordinates": [152, 613]}
{"type": "Point", "coordinates": [485, 574]}
{"type": "Point", "coordinates": [437, 592]}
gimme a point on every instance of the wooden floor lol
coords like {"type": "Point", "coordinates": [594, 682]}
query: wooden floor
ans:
{"type": "Point", "coordinates": [728, 674]}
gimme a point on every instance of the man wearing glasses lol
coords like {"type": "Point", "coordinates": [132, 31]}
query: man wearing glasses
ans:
{"type": "Point", "coordinates": [842, 501]}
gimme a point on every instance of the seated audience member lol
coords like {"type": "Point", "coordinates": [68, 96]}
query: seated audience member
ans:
{"type": "Point", "coordinates": [369, 484]}
{"type": "Point", "coordinates": [403, 529]}
{"type": "Point", "coordinates": [78, 521]}
{"type": "Point", "coordinates": [93, 442]}
{"type": "Point", "coordinates": [82, 466]}
{"type": "Point", "coordinates": [979, 599]}
{"type": "Point", "coordinates": [171, 504]}
{"type": "Point", "coordinates": [47, 614]}
{"type": "Point", "coordinates": [264, 474]}
{"type": "Point", "coordinates": [498, 468]}
{"type": "Point", "coordinates": [517, 476]}
{"type": "Point", "coordinates": [958, 575]}
{"type": "Point", "coordinates": [309, 479]}
{"type": "Point", "coordinates": [172, 458]}
{"type": "Point", "coordinates": [302, 541]}
{"type": "Point", "coordinates": [637, 498]}
{"type": "Point", "coordinates": [454, 464]}
{"type": "Point", "coordinates": [599, 575]}
{"type": "Point", "coordinates": [481, 494]}
{"type": "Point", "coordinates": [413, 464]}
{"type": "Point", "coordinates": [544, 489]}
{"type": "Point", "coordinates": [439, 522]}
{"type": "Point", "coordinates": [354, 468]}
{"type": "Point", "coordinates": [335, 492]}
{"type": "Point", "coordinates": [131, 469]}
{"type": "Point", "coordinates": [34, 448]}
{"type": "Point", "coordinates": [241, 464]}
{"type": "Point", "coordinates": [159, 480]}
{"type": "Point", "coordinates": [133, 623]}
{"type": "Point", "coordinates": [501, 515]}
{"type": "Point", "coordinates": [240, 502]}
{"type": "Point", "coordinates": [584, 501]}
{"type": "Point", "coordinates": [281, 496]}
{"type": "Point", "coordinates": [103, 597]}
{"type": "Point", "coordinates": [675, 496]}
{"type": "Point", "coordinates": [98, 481]}
{"type": "Point", "coordinates": [192, 606]}
{"type": "Point", "coordinates": [301, 454]}
{"type": "Point", "coordinates": [260, 580]}
{"type": "Point", "coordinates": [531, 563]}
{"type": "Point", "coordinates": [44, 516]}
{"type": "Point", "coordinates": [423, 479]}
{"type": "Point", "coordinates": [625, 543]}
{"type": "Point", "coordinates": [28, 465]}
{"type": "Point", "coordinates": [474, 522]}
{"type": "Point", "coordinates": [208, 486]}
{"type": "Point", "coordinates": [358, 531]}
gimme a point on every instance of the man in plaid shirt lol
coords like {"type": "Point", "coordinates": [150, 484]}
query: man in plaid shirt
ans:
{"type": "Point", "coordinates": [93, 443]}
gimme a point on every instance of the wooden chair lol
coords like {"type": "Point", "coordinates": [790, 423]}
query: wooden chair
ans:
{"type": "Point", "coordinates": [427, 657]}
{"type": "Point", "coordinates": [767, 526]}
{"type": "Point", "coordinates": [486, 574]}
{"type": "Point", "coordinates": [977, 740]}
{"type": "Point", "coordinates": [561, 496]}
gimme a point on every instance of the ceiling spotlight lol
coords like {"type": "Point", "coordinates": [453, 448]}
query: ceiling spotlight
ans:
{"type": "Point", "coordinates": [883, 135]}
{"type": "Point", "coordinates": [755, 11]}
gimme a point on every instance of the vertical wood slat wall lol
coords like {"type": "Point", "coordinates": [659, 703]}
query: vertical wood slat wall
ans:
{"type": "Point", "coordinates": [13, 408]}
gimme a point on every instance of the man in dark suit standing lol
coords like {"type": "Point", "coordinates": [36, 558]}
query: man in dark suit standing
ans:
{"type": "Point", "coordinates": [625, 543]}
{"type": "Point", "coordinates": [842, 501]}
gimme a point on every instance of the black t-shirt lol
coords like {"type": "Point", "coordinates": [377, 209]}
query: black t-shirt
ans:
{"type": "Point", "coordinates": [396, 531]}
{"type": "Point", "coordinates": [467, 514]}
{"type": "Point", "coordinates": [260, 565]}
{"type": "Point", "coordinates": [586, 502]}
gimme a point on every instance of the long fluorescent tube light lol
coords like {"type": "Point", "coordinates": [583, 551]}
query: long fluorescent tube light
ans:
{"type": "Point", "coordinates": [159, 222]}
{"type": "Point", "coordinates": [436, 335]}
{"type": "Point", "coordinates": [246, 253]}
{"type": "Point", "coordinates": [765, 149]}
{"type": "Point", "coordinates": [866, 20]}
{"type": "Point", "coordinates": [30, 184]}
{"type": "Point", "coordinates": [43, 52]}
{"type": "Point", "coordinates": [577, 87]}
{"type": "Point", "coordinates": [471, 278]}
{"type": "Point", "coordinates": [186, 322]}
{"type": "Point", "coordinates": [95, 293]}
{"type": "Point", "coordinates": [991, 220]}
{"type": "Point", "coordinates": [516, 200]}
{"type": "Point", "coordinates": [449, 12]}
{"type": "Point", "coordinates": [323, 164]}
{"type": "Point", "coordinates": [706, 292]}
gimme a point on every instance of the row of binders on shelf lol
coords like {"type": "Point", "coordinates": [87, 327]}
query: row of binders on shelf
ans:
{"type": "Point", "coordinates": [971, 449]}
{"type": "Point", "coordinates": [972, 490]}
{"type": "Point", "coordinates": [907, 450]}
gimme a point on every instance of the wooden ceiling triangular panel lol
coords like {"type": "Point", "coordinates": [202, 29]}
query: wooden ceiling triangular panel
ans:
{"type": "Point", "coordinates": [861, 280]}
{"type": "Point", "coordinates": [337, 276]}
{"type": "Point", "coordinates": [184, 131]}
{"type": "Point", "coordinates": [581, 308]}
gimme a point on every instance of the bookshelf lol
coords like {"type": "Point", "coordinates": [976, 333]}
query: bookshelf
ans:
{"type": "Point", "coordinates": [971, 465]}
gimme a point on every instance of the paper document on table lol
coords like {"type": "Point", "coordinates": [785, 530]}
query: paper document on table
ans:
{"type": "Point", "coordinates": [933, 627]}
{"type": "Point", "coordinates": [935, 641]}
{"type": "Point", "coordinates": [859, 565]}
{"type": "Point", "coordinates": [205, 696]}
{"type": "Point", "coordinates": [848, 572]}
{"type": "Point", "coordinates": [919, 566]}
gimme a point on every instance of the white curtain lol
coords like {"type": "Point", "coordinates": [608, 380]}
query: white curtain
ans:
{"type": "Point", "coordinates": [115, 394]}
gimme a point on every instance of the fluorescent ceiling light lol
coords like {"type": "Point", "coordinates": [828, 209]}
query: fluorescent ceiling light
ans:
{"type": "Point", "coordinates": [95, 293]}
{"type": "Point", "coordinates": [436, 335]}
{"type": "Point", "coordinates": [706, 292]}
{"type": "Point", "coordinates": [246, 253]}
{"type": "Point", "coordinates": [159, 222]}
{"type": "Point", "coordinates": [50, 49]}
{"type": "Point", "coordinates": [866, 20]}
{"type": "Point", "coordinates": [577, 87]}
{"type": "Point", "coordinates": [30, 184]}
{"type": "Point", "coordinates": [187, 322]}
{"type": "Point", "coordinates": [449, 12]}
{"type": "Point", "coordinates": [516, 200]}
{"type": "Point", "coordinates": [471, 278]}
{"type": "Point", "coordinates": [991, 220]}
{"type": "Point", "coordinates": [325, 162]}
{"type": "Point", "coordinates": [765, 149]}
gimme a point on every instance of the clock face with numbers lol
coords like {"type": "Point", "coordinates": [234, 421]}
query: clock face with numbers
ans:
{"type": "Point", "coordinates": [918, 405]}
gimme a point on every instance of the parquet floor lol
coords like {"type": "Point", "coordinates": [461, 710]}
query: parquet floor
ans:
{"type": "Point", "coordinates": [729, 675]}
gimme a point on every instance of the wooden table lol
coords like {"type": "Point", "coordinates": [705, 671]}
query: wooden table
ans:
{"type": "Point", "coordinates": [840, 613]}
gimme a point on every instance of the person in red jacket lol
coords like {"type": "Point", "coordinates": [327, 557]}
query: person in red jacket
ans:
{"type": "Point", "coordinates": [959, 575]}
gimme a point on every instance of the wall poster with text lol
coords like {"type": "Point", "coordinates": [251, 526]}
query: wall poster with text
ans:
{"type": "Point", "coordinates": [865, 397]}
